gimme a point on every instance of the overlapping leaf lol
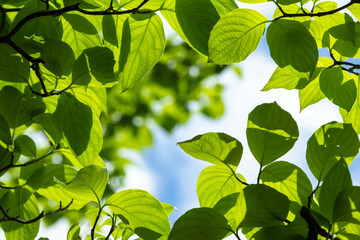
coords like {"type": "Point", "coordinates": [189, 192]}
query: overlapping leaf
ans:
{"type": "Point", "coordinates": [215, 148]}
{"type": "Point", "coordinates": [328, 144]}
{"type": "Point", "coordinates": [271, 132]}
{"type": "Point", "coordinates": [235, 36]}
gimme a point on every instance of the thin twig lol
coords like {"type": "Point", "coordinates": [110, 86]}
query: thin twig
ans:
{"type": "Point", "coordinates": [318, 14]}
{"type": "Point", "coordinates": [95, 223]}
{"type": "Point", "coordinates": [113, 225]}
{"type": "Point", "coordinates": [7, 218]}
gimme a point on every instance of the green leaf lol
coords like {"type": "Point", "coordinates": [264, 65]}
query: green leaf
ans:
{"type": "Point", "coordinates": [57, 55]}
{"type": "Point", "coordinates": [81, 128]}
{"type": "Point", "coordinates": [254, 1]}
{"type": "Point", "coordinates": [216, 182]}
{"type": "Point", "coordinates": [233, 208]}
{"type": "Point", "coordinates": [281, 233]}
{"type": "Point", "coordinates": [192, 20]}
{"type": "Point", "coordinates": [42, 181]}
{"type": "Point", "coordinates": [142, 45]}
{"type": "Point", "coordinates": [13, 68]}
{"type": "Point", "coordinates": [150, 5]}
{"type": "Point", "coordinates": [143, 212]}
{"type": "Point", "coordinates": [328, 144]}
{"type": "Point", "coordinates": [74, 232]}
{"type": "Point", "coordinates": [50, 127]}
{"type": "Point", "coordinates": [287, 2]}
{"type": "Point", "coordinates": [25, 145]}
{"type": "Point", "coordinates": [235, 36]}
{"type": "Point", "coordinates": [289, 180]}
{"type": "Point", "coordinates": [168, 208]}
{"type": "Point", "coordinates": [271, 132]}
{"type": "Point", "coordinates": [79, 33]}
{"type": "Point", "coordinates": [290, 43]}
{"type": "Point", "coordinates": [337, 179]}
{"type": "Point", "coordinates": [94, 67]}
{"type": "Point", "coordinates": [265, 206]}
{"type": "Point", "coordinates": [6, 158]}
{"type": "Point", "coordinates": [345, 31]}
{"type": "Point", "coordinates": [340, 89]}
{"type": "Point", "coordinates": [353, 116]}
{"type": "Point", "coordinates": [215, 148]}
{"type": "Point", "coordinates": [88, 185]}
{"type": "Point", "coordinates": [5, 134]}
{"type": "Point", "coordinates": [347, 206]}
{"type": "Point", "coordinates": [287, 78]}
{"type": "Point", "coordinates": [200, 224]}
{"type": "Point", "coordinates": [21, 110]}
{"type": "Point", "coordinates": [21, 204]}
{"type": "Point", "coordinates": [354, 10]}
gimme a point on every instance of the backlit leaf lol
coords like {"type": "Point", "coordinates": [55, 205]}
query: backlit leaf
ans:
{"type": "Point", "coordinates": [271, 132]}
{"type": "Point", "coordinates": [235, 36]}
{"type": "Point", "coordinates": [13, 68]}
{"type": "Point", "coordinates": [215, 148]}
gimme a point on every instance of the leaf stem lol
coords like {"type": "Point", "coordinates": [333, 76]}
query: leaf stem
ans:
{"type": "Point", "coordinates": [95, 223]}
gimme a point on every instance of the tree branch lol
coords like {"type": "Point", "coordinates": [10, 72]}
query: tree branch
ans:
{"type": "Point", "coordinates": [95, 223]}
{"type": "Point", "coordinates": [7, 218]}
{"type": "Point", "coordinates": [351, 69]}
{"type": "Point", "coordinates": [319, 14]}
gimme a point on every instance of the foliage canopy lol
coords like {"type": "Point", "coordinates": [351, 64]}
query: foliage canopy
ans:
{"type": "Point", "coordinates": [66, 64]}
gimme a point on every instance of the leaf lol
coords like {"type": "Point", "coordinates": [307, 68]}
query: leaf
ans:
{"type": "Point", "coordinates": [233, 208]}
{"type": "Point", "coordinates": [215, 148]}
{"type": "Point", "coordinates": [142, 45]}
{"type": "Point", "coordinates": [168, 208]}
{"type": "Point", "coordinates": [235, 36]}
{"type": "Point", "coordinates": [354, 10]}
{"type": "Point", "coordinates": [328, 144]}
{"type": "Point", "coordinates": [20, 203]}
{"type": "Point", "coordinates": [25, 146]}
{"type": "Point", "coordinates": [289, 180]}
{"type": "Point", "coordinates": [345, 31]}
{"type": "Point", "coordinates": [5, 134]}
{"type": "Point", "coordinates": [287, 2]}
{"type": "Point", "coordinates": [192, 20]}
{"type": "Point", "coordinates": [253, 1]}
{"type": "Point", "coordinates": [150, 5]}
{"type": "Point", "coordinates": [21, 110]}
{"type": "Point", "coordinates": [347, 206]}
{"type": "Point", "coordinates": [13, 68]}
{"type": "Point", "coordinates": [290, 43]}
{"type": "Point", "coordinates": [353, 116]}
{"type": "Point", "coordinates": [58, 56]}
{"type": "Point", "coordinates": [81, 128]}
{"type": "Point", "coordinates": [6, 158]}
{"type": "Point", "coordinates": [74, 232]}
{"type": "Point", "coordinates": [79, 33]}
{"type": "Point", "coordinates": [265, 206]}
{"type": "Point", "coordinates": [340, 89]}
{"type": "Point", "coordinates": [216, 182]}
{"type": "Point", "coordinates": [271, 132]}
{"type": "Point", "coordinates": [281, 233]}
{"type": "Point", "coordinates": [337, 179]}
{"type": "Point", "coordinates": [143, 212]}
{"type": "Point", "coordinates": [42, 181]}
{"type": "Point", "coordinates": [88, 185]}
{"type": "Point", "coordinates": [200, 224]}
{"type": "Point", "coordinates": [94, 67]}
{"type": "Point", "coordinates": [50, 127]}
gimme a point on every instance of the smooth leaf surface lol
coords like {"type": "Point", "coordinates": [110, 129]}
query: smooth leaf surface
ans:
{"type": "Point", "coordinates": [12, 67]}
{"type": "Point", "coordinates": [347, 206]}
{"type": "Point", "coordinates": [235, 36]}
{"type": "Point", "coordinates": [264, 206]}
{"type": "Point", "coordinates": [215, 148]}
{"type": "Point", "coordinates": [192, 20]}
{"type": "Point", "coordinates": [271, 132]}
{"type": "Point", "coordinates": [290, 43]}
{"type": "Point", "coordinates": [88, 185]}
{"type": "Point", "coordinates": [289, 180]}
{"type": "Point", "coordinates": [200, 224]}
{"type": "Point", "coordinates": [142, 45]}
{"type": "Point", "coordinates": [338, 87]}
{"type": "Point", "coordinates": [216, 182]}
{"type": "Point", "coordinates": [336, 180]}
{"type": "Point", "coordinates": [328, 144]}
{"type": "Point", "coordinates": [25, 145]}
{"type": "Point", "coordinates": [5, 134]}
{"type": "Point", "coordinates": [143, 213]}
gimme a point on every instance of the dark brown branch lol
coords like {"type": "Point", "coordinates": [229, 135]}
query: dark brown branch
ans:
{"type": "Point", "coordinates": [95, 223]}
{"type": "Point", "coordinates": [7, 218]}
{"type": "Point", "coordinates": [341, 64]}
{"type": "Point", "coordinates": [113, 226]}
{"type": "Point", "coordinates": [314, 227]}
{"type": "Point", "coordinates": [12, 165]}
{"type": "Point", "coordinates": [3, 20]}
{"type": "Point", "coordinates": [318, 14]}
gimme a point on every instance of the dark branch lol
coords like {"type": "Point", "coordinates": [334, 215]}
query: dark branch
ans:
{"type": "Point", "coordinates": [7, 218]}
{"type": "Point", "coordinates": [95, 223]}
{"type": "Point", "coordinates": [12, 165]}
{"type": "Point", "coordinates": [351, 69]}
{"type": "Point", "coordinates": [3, 20]}
{"type": "Point", "coordinates": [113, 225]}
{"type": "Point", "coordinates": [318, 14]}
